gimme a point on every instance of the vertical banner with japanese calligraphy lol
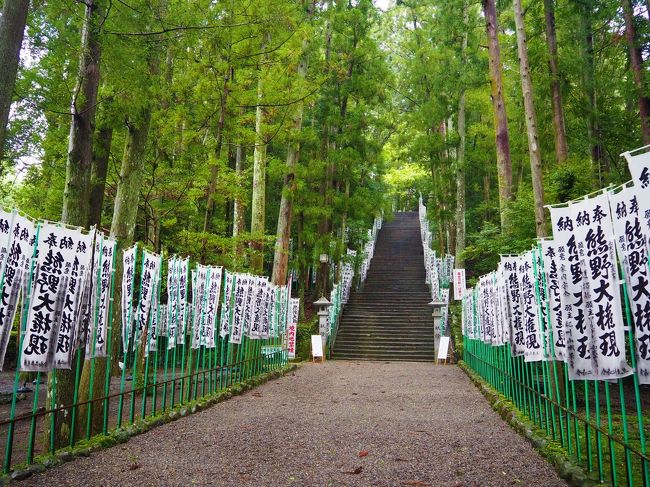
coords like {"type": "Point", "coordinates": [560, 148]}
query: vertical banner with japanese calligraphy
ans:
{"type": "Point", "coordinates": [183, 308]}
{"type": "Point", "coordinates": [150, 270]}
{"type": "Point", "coordinates": [214, 291]}
{"type": "Point", "coordinates": [292, 329]}
{"type": "Point", "coordinates": [258, 307]}
{"type": "Point", "coordinates": [459, 284]}
{"type": "Point", "coordinates": [18, 237]}
{"type": "Point", "coordinates": [601, 292]}
{"type": "Point", "coordinates": [576, 326]}
{"type": "Point", "coordinates": [172, 302]}
{"type": "Point", "coordinates": [556, 331]}
{"type": "Point", "coordinates": [533, 345]}
{"type": "Point", "coordinates": [632, 247]}
{"type": "Point", "coordinates": [241, 288]}
{"type": "Point", "coordinates": [199, 293]}
{"type": "Point", "coordinates": [128, 280]}
{"type": "Point", "coordinates": [515, 306]}
{"type": "Point", "coordinates": [226, 306]}
{"type": "Point", "coordinates": [249, 304]}
{"type": "Point", "coordinates": [60, 256]}
{"type": "Point", "coordinates": [639, 166]}
{"type": "Point", "coordinates": [265, 325]}
{"type": "Point", "coordinates": [101, 301]}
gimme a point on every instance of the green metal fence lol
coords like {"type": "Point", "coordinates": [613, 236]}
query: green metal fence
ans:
{"type": "Point", "coordinates": [600, 424]}
{"type": "Point", "coordinates": [28, 431]}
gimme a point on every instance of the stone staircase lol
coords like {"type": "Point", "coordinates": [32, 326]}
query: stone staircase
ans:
{"type": "Point", "coordinates": [390, 319]}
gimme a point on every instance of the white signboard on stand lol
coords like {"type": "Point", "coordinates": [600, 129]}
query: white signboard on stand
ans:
{"type": "Point", "coordinates": [443, 349]}
{"type": "Point", "coordinates": [317, 347]}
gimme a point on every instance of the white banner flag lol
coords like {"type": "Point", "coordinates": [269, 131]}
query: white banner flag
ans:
{"type": "Point", "coordinates": [632, 247]}
{"type": "Point", "coordinates": [292, 329]}
{"type": "Point", "coordinates": [100, 304]}
{"type": "Point", "coordinates": [601, 291]}
{"type": "Point", "coordinates": [18, 236]}
{"type": "Point", "coordinates": [171, 311]}
{"type": "Point", "coordinates": [241, 288]}
{"type": "Point", "coordinates": [214, 292]}
{"type": "Point", "coordinates": [183, 307]}
{"type": "Point", "coordinates": [57, 257]}
{"type": "Point", "coordinates": [150, 269]}
{"type": "Point", "coordinates": [556, 313]}
{"type": "Point", "coordinates": [226, 306]}
{"type": "Point", "coordinates": [128, 279]}
{"type": "Point", "coordinates": [533, 345]}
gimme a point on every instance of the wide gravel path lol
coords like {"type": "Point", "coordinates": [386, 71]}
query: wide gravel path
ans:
{"type": "Point", "coordinates": [337, 424]}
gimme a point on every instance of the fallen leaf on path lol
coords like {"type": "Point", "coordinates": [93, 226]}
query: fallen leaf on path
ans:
{"type": "Point", "coordinates": [356, 471]}
{"type": "Point", "coordinates": [134, 466]}
{"type": "Point", "coordinates": [257, 394]}
{"type": "Point", "coordinates": [363, 453]}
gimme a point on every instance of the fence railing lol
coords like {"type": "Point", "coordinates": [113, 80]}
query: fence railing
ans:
{"type": "Point", "coordinates": [600, 424]}
{"type": "Point", "coordinates": [177, 377]}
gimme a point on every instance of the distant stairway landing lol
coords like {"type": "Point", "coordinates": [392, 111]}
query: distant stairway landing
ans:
{"type": "Point", "coordinates": [390, 319]}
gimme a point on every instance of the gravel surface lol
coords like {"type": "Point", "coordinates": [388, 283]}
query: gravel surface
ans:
{"type": "Point", "coordinates": [337, 424]}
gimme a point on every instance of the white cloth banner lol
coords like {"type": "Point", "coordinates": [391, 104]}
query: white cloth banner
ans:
{"type": "Point", "coordinates": [556, 313]}
{"type": "Point", "coordinates": [60, 251]}
{"type": "Point", "coordinates": [577, 332]}
{"type": "Point", "coordinates": [128, 279]}
{"type": "Point", "coordinates": [241, 288]}
{"type": "Point", "coordinates": [214, 292]}
{"type": "Point", "coordinates": [601, 292]}
{"type": "Point", "coordinates": [101, 302]}
{"type": "Point", "coordinates": [533, 345]}
{"type": "Point", "coordinates": [292, 329]}
{"type": "Point", "coordinates": [183, 306]}
{"type": "Point", "coordinates": [18, 237]}
{"type": "Point", "coordinates": [226, 306]}
{"type": "Point", "coordinates": [632, 247]}
{"type": "Point", "coordinates": [150, 271]}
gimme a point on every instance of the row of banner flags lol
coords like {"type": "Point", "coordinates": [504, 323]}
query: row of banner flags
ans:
{"type": "Point", "coordinates": [60, 277]}
{"type": "Point", "coordinates": [62, 280]}
{"type": "Point", "coordinates": [439, 270]}
{"type": "Point", "coordinates": [564, 299]}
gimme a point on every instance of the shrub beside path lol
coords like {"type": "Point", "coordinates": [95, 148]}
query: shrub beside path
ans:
{"type": "Point", "coordinates": [333, 424]}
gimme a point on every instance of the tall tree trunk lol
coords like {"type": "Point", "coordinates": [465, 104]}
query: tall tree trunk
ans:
{"type": "Point", "coordinates": [587, 44]}
{"type": "Point", "coordinates": [460, 157]}
{"type": "Point", "coordinates": [84, 108]}
{"type": "Point", "coordinates": [239, 216]}
{"type": "Point", "coordinates": [101, 154]}
{"type": "Point", "coordinates": [12, 29]}
{"type": "Point", "coordinates": [460, 184]}
{"type": "Point", "coordinates": [258, 199]}
{"type": "Point", "coordinates": [283, 235]}
{"type": "Point", "coordinates": [214, 166]}
{"type": "Point", "coordinates": [636, 64]}
{"type": "Point", "coordinates": [504, 164]}
{"type": "Point", "coordinates": [531, 121]}
{"type": "Point", "coordinates": [76, 194]}
{"type": "Point", "coordinates": [559, 128]}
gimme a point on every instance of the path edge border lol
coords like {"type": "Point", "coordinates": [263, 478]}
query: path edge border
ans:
{"type": "Point", "coordinates": [551, 450]}
{"type": "Point", "coordinates": [85, 448]}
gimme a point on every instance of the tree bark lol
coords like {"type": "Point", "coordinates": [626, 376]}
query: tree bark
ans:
{"type": "Point", "coordinates": [12, 29]}
{"type": "Point", "coordinates": [589, 86]}
{"type": "Point", "coordinates": [559, 128]}
{"type": "Point", "coordinates": [460, 158]}
{"type": "Point", "coordinates": [84, 107]}
{"type": "Point", "coordinates": [504, 164]}
{"type": "Point", "coordinates": [239, 220]}
{"type": "Point", "coordinates": [636, 64]}
{"type": "Point", "coordinates": [531, 121]}
{"type": "Point", "coordinates": [258, 203]}
{"type": "Point", "coordinates": [101, 154]}
{"type": "Point", "coordinates": [283, 236]}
